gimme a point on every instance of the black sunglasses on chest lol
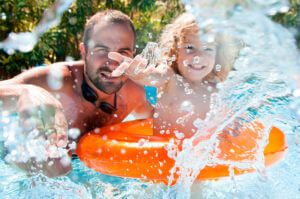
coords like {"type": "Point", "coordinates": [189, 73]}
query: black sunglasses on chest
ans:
{"type": "Point", "coordinates": [90, 95]}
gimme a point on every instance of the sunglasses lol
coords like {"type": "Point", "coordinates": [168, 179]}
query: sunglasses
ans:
{"type": "Point", "coordinates": [90, 95]}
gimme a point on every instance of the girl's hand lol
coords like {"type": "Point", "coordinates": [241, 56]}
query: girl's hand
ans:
{"type": "Point", "coordinates": [135, 68]}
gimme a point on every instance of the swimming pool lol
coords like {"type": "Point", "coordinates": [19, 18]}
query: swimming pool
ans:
{"type": "Point", "coordinates": [280, 181]}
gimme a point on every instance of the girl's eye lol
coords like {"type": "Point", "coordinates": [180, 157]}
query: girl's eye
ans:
{"type": "Point", "coordinates": [205, 48]}
{"type": "Point", "coordinates": [189, 47]}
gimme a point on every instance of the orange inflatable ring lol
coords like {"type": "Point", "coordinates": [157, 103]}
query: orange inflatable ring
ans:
{"type": "Point", "coordinates": [116, 150]}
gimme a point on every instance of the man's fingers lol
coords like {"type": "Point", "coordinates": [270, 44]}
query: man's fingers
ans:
{"type": "Point", "coordinates": [124, 63]}
{"type": "Point", "coordinates": [117, 57]}
{"type": "Point", "coordinates": [120, 70]}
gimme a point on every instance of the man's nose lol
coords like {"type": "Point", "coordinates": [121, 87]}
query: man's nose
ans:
{"type": "Point", "coordinates": [112, 63]}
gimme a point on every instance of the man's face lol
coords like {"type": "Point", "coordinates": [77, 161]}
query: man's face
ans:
{"type": "Point", "coordinates": [107, 37]}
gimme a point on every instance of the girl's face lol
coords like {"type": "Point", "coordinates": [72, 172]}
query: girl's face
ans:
{"type": "Point", "coordinates": [195, 58]}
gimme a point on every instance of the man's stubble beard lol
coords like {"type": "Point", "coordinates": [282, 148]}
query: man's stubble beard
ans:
{"type": "Point", "coordinates": [105, 87]}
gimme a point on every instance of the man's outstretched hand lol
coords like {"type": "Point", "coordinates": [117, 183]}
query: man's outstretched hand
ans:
{"type": "Point", "coordinates": [44, 133]}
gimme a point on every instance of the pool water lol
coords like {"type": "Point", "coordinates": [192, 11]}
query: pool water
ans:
{"type": "Point", "coordinates": [280, 181]}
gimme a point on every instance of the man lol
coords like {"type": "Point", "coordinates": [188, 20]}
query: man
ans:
{"type": "Point", "coordinates": [79, 96]}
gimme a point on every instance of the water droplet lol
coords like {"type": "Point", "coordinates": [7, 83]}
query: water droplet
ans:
{"type": "Point", "coordinates": [198, 123]}
{"type": "Point", "coordinates": [3, 16]}
{"type": "Point", "coordinates": [65, 161]}
{"type": "Point", "coordinates": [180, 120]}
{"type": "Point", "coordinates": [74, 133]}
{"type": "Point", "coordinates": [179, 135]}
{"type": "Point", "coordinates": [209, 88]}
{"type": "Point", "coordinates": [188, 91]}
{"type": "Point", "coordinates": [153, 82]}
{"type": "Point", "coordinates": [160, 94]}
{"type": "Point", "coordinates": [50, 163]}
{"type": "Point", "coordinates": [159, 171]}
{"type": "Point", "coordinates": [296, 93]}
{"type": "Point", "coordinates": [69, 58]}
{"type": "Point", "coordinates": [141, 142]}
{"type": "Point", "coordinates": [284, 9]}
{"type": "Point", "coordinates": [55, 78]}
{"type": "Point", "coordinates": [218, 67]}
{"type": "Point", "coordinates": [187, 106]}
{"type": "Point", "coordinates": [123, 151]}
{"type": "Point", "coordinates": [72, 20]}
{"type": "Point", "coordinates": [196, 59]}
{"type": "Point", "coordinates": [72, 146]}
{"type": "Point", "coordinates": [173, 58]}
{"type": "Point", "coordinates": [57, 96]}
{"type": "Point", "coordinates": [91, 44]}
{"type": "Point", "coordinates": [185, 63]}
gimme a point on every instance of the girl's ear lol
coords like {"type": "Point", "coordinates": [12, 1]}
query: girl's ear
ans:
{"type": "Point", "coordinates": [82, 50]}
{"type": "Point", "coordinates": [134, 51]}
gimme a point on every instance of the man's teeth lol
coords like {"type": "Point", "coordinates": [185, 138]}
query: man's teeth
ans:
{"type": "Point", "coordinates": [107, 74]}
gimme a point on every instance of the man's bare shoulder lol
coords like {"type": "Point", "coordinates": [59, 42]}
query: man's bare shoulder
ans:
{"type": "Point", "coordinates": [41, 75]}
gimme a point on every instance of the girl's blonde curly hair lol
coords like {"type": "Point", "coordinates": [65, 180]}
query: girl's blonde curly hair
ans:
{"type": "Point", "coordinates": [174, 35]}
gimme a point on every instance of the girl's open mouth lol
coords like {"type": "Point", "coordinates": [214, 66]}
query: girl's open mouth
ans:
{"type": "Point", "coordinates": [196, 67]}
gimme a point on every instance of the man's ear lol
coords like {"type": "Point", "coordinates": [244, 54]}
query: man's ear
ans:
{"type": "Point", "coordinates": [134, 51]}
{"type": "Point", "coordinates": [82, 50]}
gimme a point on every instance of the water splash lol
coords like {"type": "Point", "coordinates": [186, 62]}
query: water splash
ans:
{"type": "Point", "coordinates": [25, 41]}
{"type": "Point", "coordinates": [152, 53]}
{"type": "Point", "coordinates": [257, 91]}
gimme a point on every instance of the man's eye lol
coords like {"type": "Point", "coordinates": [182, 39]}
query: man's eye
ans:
{"type": "Point", "coordinates": [102, 50]}
{"type": "Point", "coordinates": [124, 53]}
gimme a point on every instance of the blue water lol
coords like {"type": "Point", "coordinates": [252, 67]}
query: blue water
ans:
{"type": "Point", "coordinates": [282, 182]}
{"type": "Point", "coordinates": [151, 94]}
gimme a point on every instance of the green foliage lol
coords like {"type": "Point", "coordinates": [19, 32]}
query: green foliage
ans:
{"type": "Point", "coordinates": [149, 17]}
{"type": "Point", "coordinates": [291, 19]}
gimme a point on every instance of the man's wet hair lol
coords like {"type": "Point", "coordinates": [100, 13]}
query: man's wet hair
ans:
{"type": "Point", "coordinates": [110, 16]}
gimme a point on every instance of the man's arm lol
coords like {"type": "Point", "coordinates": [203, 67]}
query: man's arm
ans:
{"type": "Point", "coordinates": [38, 111]}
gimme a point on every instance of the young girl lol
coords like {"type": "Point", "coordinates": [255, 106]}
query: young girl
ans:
{"type": "Point", "coordinates": [186, 76]}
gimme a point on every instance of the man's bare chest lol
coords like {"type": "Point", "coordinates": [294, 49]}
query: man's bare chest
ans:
{"type": "Point", "coordinates": [86, 117]}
